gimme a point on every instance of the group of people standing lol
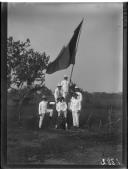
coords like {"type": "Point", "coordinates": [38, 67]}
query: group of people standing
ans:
{"type": "Point", "coordinates": [67, 99]}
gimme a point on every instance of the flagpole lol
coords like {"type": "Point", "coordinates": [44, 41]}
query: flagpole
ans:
{"type": "Point", "coordinates": [71, 73]}
{"type": "Point", "coordinates": [75, 54]}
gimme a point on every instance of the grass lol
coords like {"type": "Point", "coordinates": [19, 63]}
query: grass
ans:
{"type": "Point", "coordinates": [88, 145]}
{"type": "Point", "coordinates": [72, 147]}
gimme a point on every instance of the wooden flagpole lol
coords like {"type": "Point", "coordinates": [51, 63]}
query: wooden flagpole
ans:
{"type": "Point", "coordinates": [75, 54]}
{"type": "Point", "coordinates": [71, 73]}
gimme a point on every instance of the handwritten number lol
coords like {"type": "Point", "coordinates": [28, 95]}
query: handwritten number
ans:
{"type": "Point", "coordinates": [110, 161]}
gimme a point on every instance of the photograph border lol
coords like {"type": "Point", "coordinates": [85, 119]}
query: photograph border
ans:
{"type": "Point", "coordinates": [4, 12]}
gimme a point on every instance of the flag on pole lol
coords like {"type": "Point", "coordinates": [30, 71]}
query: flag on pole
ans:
{"type": "Point", "coordinates": [66, 55]}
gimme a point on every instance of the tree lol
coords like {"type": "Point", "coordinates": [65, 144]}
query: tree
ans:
{"type": "Point", "coordinates": [24, 64]}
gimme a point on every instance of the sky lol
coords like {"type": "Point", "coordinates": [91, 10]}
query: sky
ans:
{"type": "Point", "coordinates": [49, 26]}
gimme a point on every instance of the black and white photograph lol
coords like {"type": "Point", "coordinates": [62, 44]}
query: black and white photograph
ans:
{"type": "Point", "coordinates": [64, 70]}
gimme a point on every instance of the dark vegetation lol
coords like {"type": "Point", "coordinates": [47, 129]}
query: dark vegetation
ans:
{"type": "Point", "coordinates": [24, 64]}
{"type": "Point", "coordinates": [95, 106]}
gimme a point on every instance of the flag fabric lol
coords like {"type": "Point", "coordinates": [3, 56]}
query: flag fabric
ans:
{"type": "Point", "coordinates": [66, 55]}
{"type": "Point", "coordinates": [73, 43]}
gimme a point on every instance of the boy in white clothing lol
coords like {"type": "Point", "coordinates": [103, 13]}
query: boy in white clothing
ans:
{"type": "Point", "coordinates": [42, 110]}
{"type": "Point", "coordinates": [61, 108]}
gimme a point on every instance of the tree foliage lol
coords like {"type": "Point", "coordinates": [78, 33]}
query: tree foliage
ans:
{"type": "Point", "coordinates": [23, 63]}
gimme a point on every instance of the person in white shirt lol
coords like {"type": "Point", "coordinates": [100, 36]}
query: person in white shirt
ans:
{"type": "Point", "coordinates": [58, 92]}
{"type": "Point", "coordinates": [79, 96]}
{"type": "Point", "coordinates": [75, 107]}
{"type": "Point", "coordinates": [61, 108]}
{"type": "Point", "coordinates": [65, 86]}
{"type": "Point", "coordinates": [42, 110]}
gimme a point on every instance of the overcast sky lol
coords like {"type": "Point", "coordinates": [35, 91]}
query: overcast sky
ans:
{"type": "Point", "coordinates": [98, 65]}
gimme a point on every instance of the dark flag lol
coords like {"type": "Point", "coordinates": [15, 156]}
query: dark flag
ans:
{"type": "Point", "coordinates": [66, 55]}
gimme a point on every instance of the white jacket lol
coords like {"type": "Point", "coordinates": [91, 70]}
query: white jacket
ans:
{"type": "Point", "coordinates": [75, 104]}
{"type": "Point", "coordinates": [65, 85]}
{"type": "Point", "coordinates": [58, 93]}
{"type": "Point", "coordinates": [61, 106]}
{"type": "Point", "coordinates": [43, 107]}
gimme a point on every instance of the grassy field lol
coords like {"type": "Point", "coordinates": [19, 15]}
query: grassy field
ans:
{"type": "Point", "coordinates": [26, 144]}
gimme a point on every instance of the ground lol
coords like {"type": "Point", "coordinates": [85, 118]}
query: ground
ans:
{"type": "Point", "coordinates": [26, 144]}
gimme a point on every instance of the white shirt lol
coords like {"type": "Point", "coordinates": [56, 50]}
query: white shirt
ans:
{"type": "Point", "coordinates": [65, 85]}
{"type": "Point", "coordinates": [58, 93]}
{"type": "Point", "coordinates": [61, 106]}
{"type": "Point", "coordinates": [43, 107]}
{"type": "Point", "coordinates": [75, 104]}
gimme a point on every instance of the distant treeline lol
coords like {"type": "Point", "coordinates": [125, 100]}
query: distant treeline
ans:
{"type": "Point", "coordinates": [95, 106]}
{"type": "Point", "coordinates": [94, 100]}
{"type": "Point", "coordinates": [102, 100]}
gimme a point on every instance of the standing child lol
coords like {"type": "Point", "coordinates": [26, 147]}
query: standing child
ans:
{"type": "Point", "coordinates": [61, 108]}
{"type": "Point", "coordinates": [42, 110]}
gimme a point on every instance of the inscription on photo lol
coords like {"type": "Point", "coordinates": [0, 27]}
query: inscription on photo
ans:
{"type": "Point", "coordinates": [109, 161]}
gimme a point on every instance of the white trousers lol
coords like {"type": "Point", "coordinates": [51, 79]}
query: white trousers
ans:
{"type": "Point", "coordinates": [41, 120]}
{"type": "Point", "coordinates": [75, 116]}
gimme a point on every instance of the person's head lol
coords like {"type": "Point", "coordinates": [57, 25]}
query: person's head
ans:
{"type": "Point", "coordinates": [58, 99]}
{"type": "Point", "coordinates": [75, 95]}
{"type": "Point", "coordinates": [59, 86]}
{"type": "Point", "coordinates": [62, 99]}
{"type": "Point", "coordinates": [65, 77]}
{"type": "Point", "coordinates": [44, 98]}
{"type": "Point", "coordinates": [76, 89]}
